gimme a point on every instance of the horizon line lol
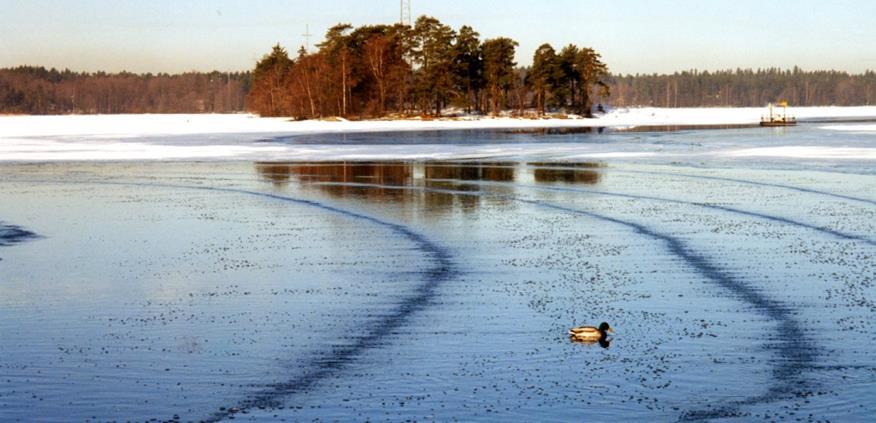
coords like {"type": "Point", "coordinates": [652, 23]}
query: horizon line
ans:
{"type": "Point", "coordinates": [623, 74]}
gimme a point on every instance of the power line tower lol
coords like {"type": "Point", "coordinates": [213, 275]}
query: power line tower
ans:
{"type": "Point", "coordinates": [405, 13]}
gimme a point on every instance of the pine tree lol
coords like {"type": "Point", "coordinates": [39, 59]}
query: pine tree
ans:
{"type": "Point", "coordinates": [590, 73]}
{"type": "Point", "coordinates": [338, 52]}
{"type": "Point", "coordinates": [270, 81]}
{"type": "Point", "coordinates": [468, 65]}
{"type": "Point", "coordinates": [433, 54]}
{"type": "Point", "coordinates": [498, 69]}
{"type": "Point", "coordinates": [544, 75]}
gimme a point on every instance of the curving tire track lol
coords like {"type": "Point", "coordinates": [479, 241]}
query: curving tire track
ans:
{"type": "Point", "coordinates": [755, 183]}
{"type": "Point", "coordinates": [734, 180]}
{"type": "Point", "coordinates": [793, 349]}
{"type": "Point", "coordinates": [795, 354]}
{"type": "Point", "coordinates": [442, 269]}
{"type": "Point", "coordinates": [13, 234]}
{"type": "Point", "coordinates": [778, 219]}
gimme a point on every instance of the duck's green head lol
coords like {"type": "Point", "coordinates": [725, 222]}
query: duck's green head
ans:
{"type": "Point", "coordinates": [604, 327]}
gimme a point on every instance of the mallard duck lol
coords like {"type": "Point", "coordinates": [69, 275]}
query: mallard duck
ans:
{"type": "Point", "coordinates": [590, 333]}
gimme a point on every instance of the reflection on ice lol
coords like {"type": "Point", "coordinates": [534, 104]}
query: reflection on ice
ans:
{"type": "Point", "coordinates": [414, 173]}
{"type": "Point", "coordinates": [604, 343]}
{"type": "Point", "coordinates": [569, 176]}
{"type": "Point", "coordinates": [431, 184]}
{"type": "Point", "coordinates": [380, 173]}
{"type": "Point", "coordinates": [476, 171]}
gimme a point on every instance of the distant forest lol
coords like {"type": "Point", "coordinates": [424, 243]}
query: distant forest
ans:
{"type": "Point", "coordinates": [745, 87]}
{"type": "Point", "coordinates": [424, 69]}
{"type": "Point", "coordinates": [36, 90]}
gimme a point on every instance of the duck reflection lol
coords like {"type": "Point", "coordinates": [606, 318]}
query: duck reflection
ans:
{"type": "Point", "coordinates": [604, 343]}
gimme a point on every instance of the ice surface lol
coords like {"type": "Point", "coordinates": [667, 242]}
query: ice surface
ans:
{"type": "Point", "coordinates": [319, 291]}
{"type": "Point", "coordinates": [246, 137]}
{"type": "Point", "coordinates": [851, 128]}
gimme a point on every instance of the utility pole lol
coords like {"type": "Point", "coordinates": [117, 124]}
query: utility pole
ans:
{"type": "Point", "coordinates": [306, 36]}
{"type": "Point", "coordinates": [405, 13]}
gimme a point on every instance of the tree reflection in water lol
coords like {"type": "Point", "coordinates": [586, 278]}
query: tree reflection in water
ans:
{"type": "Point", "coordinates": [382, 182]}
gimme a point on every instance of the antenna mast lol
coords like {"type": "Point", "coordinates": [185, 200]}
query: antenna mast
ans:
{"type": "Point", "coordinates": [306, 36]}
{"type": "Point", "coordinates": [405, 13]}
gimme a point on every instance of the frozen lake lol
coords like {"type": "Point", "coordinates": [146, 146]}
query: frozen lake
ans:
{"type": "Point", "coordinates": [740, 285]}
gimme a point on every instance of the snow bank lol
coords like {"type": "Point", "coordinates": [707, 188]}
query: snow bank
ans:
{"type": "Point", "coordinates": [130, 126]}
{"type": "Point", "coordinates": [850, 128]}
{"type": "Point", "coordinates": [806, 152]}
{"type": "Point", "coordinates": [233, 137]}
{"type": "Point", "coordinates": [728, 116]}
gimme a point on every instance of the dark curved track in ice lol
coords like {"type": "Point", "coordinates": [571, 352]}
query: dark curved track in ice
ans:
{"type": "Point", "coordinates": [777, 219]}
{"type": "Point", "coordinates": [755, 183]}
{"type": "Point", "coordinates": [441, 270]}
{"type": "Point", "coordinates": [12, 234]}
{"type": "Point", "coordinates": [794, 352]}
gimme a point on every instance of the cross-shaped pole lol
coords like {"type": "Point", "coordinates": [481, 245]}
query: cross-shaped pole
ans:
{"type": "Point", "coordinates": [306, 36]}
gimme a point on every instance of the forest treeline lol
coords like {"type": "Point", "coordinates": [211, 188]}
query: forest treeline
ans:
{"type": "Point", "coordinates": [398, 70]}
{"type": "Point", "coordinates": [377, 70]}
{"type": "Point", "coordinates": [745, 87]}
{"type": "Point", "coordinates": [37, 90]}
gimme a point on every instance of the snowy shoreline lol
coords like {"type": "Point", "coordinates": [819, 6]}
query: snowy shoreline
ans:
{"type": "Point", "coordinates": [183, 124]}
{"type": "Point", "coordinates": [212, 137]}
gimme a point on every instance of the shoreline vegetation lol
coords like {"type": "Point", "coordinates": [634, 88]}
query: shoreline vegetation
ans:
{"type": "Point", "coordinates": [379, 70]}
{"type": "Point", "coordinates": [424, 71]}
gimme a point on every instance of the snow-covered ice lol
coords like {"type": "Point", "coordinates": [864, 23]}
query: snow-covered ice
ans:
{"type": "Point", "coordinates": [248, 137]}
{"type": "Point", "coordinates": [127, 126]}
{"type": "Point", "coordinates": [851, 128]}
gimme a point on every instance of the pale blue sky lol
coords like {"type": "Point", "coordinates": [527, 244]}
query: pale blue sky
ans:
{"type": "Point", "coordinates": [632, 35]}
